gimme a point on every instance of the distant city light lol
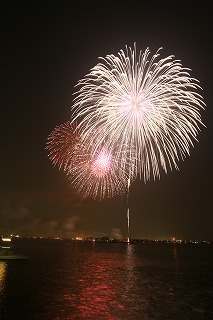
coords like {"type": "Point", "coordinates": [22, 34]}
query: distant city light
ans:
{"type": "Point", "coordinates": [6, 239]}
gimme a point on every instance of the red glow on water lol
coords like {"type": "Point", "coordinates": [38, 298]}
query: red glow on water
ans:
{"type": "Point", "coordinates": [96, 298]}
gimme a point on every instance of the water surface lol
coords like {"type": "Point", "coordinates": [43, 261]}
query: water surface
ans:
{"type": "Point", "coordinates": [108, 281]}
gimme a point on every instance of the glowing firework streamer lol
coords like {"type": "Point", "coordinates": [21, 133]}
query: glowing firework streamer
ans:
{"type": "Point", "coordinates": [147, 110]}
{"type": "Point", "coordinates": [128, 222]}
{"type": "Point", "coordinates": [93, 175]}
{"type": "Point", "coordinates": [128, 239]}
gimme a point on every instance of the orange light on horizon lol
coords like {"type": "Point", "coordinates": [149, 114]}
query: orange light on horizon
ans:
{"type": "Point", "coordinates": [79, 238]}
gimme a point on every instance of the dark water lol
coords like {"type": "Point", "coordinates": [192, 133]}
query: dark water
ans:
{"type": "Point", "coordinates": [81, 280]}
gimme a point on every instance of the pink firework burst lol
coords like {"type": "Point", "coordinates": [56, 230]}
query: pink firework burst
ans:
{"type": "Point", "coordinates": [92, 174]}
{"type": "Point", "coordinates": [102, 163]}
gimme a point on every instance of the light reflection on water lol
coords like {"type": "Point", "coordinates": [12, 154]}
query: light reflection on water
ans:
{"type": "Point", "coordinates": [106, 286]}
{"type": "Point", "coordinates": [98, 289]}
{"type": "Point", "coordinates": [109, 282]}
{"type": "Point", "coordinates": [3, 266]}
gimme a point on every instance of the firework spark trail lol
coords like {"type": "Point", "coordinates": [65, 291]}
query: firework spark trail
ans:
{"type": "Point", "coordinates": [92, 175]}
{"type": "Point", "coordinates": [128, 217]}
{"type": "Point", "coordinates": [148, 111]}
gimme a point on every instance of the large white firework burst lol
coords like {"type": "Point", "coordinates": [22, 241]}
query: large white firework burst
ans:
{"type": "Point", "coordinates": [146, 109]}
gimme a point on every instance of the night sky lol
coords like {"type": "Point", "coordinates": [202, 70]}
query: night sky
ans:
{"type": "Point", "coordinates": [45, 50]}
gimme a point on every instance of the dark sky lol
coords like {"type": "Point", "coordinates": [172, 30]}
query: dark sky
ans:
{"type": "Point", "coordinates": [45, 50]}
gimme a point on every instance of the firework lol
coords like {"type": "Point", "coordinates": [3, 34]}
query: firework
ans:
{"type": "Point", "coordinates": [63, 144]}
{"type": "Point", "coordinates": [99, 176]}
{"type": "Point", "coordinates": [146, 110]}
{"type": "Point", "coordinates": [95, 175]}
